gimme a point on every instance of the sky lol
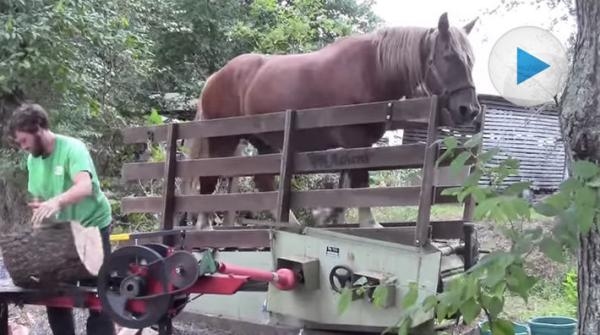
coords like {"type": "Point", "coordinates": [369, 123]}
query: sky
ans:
{"type": "Point", "coordinates": [487, 30]}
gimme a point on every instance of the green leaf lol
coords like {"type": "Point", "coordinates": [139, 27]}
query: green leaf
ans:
{"type": "Point", "coordinates": [404, 326]}
{"type": "Point", "coordinates": [493, 304]}
{"type": "Point", "coordinates": [545, 209]}
{"type": "Point", "coordinates": [450, 142]}
{"type": "Point", "coordinates": [470, 310]}
{"type": "Point", "coordinates": [502, 327]}
{"type": "Point", "coordinates": [483, 208]}
{"type": "Point", "coordinates": [595, 183]}
{"type": "Point", "coordinates": [519, 282]}
{"type": "Point", "coordinates": [534, 233]}
{"type": "Point", "coordinates": [473, 178]}
{"type": "Point", "coordinates": [570, 185]}
{"type": "Point", "coordinates": [585, 219]}
{"type": "Point", "coordinates": [474, 141]}
{"type": "Point", "coordinates": [552, 249]}
{"type": "Point", "coordinates": [345, 299]}
{"type": "Point", "coordinates": [486, 156]}
{"type": "Point", "coordinates": [585, 169]}
{"type": "Point", "coordinates": [585, 197]}
{"type": "Point", "coordinates": [517, 188]}
{"type": "Point", "coordinates": [380, 295]}
{"type": "Point", "coordinates": [430, 303]}
{"type": "Point", "coordinates": [154, 118]}
{"type": "Point", "coordinates": [560, 201]}
{"type": "Point", "coordinates": [459, 162]}
{"type": "Point", "coordinates": [443, 157]}
{"type": "Point", "coordinates": [411, 296]}
{"type": "Point", "coordinates": [451, 191]}
{"type": "Point", "coordinates": [495, 274]}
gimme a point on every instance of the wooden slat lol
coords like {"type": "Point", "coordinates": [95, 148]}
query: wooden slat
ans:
{"type": "Point", "coordinates": [252, 238]}
{"type": "Point", "coordinates": [362, 197]}
{"type": "Point", "coordinates": [426, 196]}
{"type": "Point", "coordinates": [286, 170]}
{"type": "Point", "coordinates": [242, 239]}
{"type": "Point", "coordinates": [168, 196]}
{"type": "Point", "coordinates": [204, 203]}
{"type": "Point", "coordinates": [258, 237]}
{"type": "Point", "coordinates": [405, 112]}
{"type": "Point", "coordinates": [394, 157]}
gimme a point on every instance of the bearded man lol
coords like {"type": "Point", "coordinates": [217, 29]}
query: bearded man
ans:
{"type": "Point", "coordinates": [64, 183]}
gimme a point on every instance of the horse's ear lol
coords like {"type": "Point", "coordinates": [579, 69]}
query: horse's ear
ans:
{"type": "Point", "coordinates": [443, 25]}
{"type": "Point", "coordinates": [469, 26]}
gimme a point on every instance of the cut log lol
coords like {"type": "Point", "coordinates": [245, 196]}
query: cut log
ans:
{"type": "Point", "coordinates": [56, 252]}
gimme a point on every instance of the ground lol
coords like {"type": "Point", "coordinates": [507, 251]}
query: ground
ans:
{"type": "Point", "coordinates": [548, 297]}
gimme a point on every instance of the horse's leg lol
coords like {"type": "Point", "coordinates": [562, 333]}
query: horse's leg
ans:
{"type": "Point", "coordinates": [217, 147]}
{"type": "Point", "coordinates": [340, 212]}
{"type": "Point", "coordinates": [233, 187]}
{"type": "Point", "coordinates": [266, 182]}
{"type": "Point", "coordinates": [360, 179]}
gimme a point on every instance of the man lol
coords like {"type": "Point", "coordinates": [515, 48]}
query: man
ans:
{"type": "Point", "coordinates": [63, 180]}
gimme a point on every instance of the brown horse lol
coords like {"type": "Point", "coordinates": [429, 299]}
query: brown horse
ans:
{"type": "Point", "coordinates": [387, 64]}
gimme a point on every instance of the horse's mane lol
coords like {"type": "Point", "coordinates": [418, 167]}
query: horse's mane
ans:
{"type": "Point", "coordinates": [404, 51]}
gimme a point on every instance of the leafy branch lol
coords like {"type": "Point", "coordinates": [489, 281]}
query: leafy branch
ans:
{"type": "Point", "coordinates": [483, 288]}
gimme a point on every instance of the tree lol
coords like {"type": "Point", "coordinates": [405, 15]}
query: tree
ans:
{"type": "Point", "coordinates": [580, 123]}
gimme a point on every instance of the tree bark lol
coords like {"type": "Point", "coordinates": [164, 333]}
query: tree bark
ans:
{"type": "Point", "coordinates": [59, 252]}
{"type": "Point", "coordinates": [580, 123]}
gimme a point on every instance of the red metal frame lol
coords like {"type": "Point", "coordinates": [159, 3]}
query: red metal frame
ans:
{"type": "Point", "coordinates": [228, 281]}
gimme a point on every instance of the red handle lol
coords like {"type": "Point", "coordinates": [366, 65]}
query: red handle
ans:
{"type": "Point", "coordinates": [283, 279]}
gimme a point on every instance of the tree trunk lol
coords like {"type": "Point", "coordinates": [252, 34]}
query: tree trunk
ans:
{"type": "Point", "coordinates": [580, 123]}
{"type": "Point", "coordinates": [60, 252]}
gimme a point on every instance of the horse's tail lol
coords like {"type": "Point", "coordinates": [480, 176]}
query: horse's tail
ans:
{"type": "Point", "coordinates": [195, 148]}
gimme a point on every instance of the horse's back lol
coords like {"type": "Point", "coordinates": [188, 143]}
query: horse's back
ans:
{"type": "Point", "coordinates": [338, 74]}
{"type": "Point", "coordinates": [223, 92]}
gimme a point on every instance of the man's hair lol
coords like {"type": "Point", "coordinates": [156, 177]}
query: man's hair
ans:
{"type": "Point", "coordinates": [28, 118]}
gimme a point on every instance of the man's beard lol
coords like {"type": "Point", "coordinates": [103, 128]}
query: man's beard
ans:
{"type": "Point", "coordinates": [38, 148]}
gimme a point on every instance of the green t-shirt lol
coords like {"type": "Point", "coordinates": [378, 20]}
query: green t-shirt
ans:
{"type": "Point", "coordinates": [53, 175]}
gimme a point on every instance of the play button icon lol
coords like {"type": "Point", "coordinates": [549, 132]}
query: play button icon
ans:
{"type": "Point", "coordinates": [528, 66]}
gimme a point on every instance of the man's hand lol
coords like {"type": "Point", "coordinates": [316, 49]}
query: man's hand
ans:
{"type": "Point", "coordinates": [43, 210]}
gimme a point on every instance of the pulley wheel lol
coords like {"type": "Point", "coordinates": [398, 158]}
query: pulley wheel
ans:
{"type": "Point", "coordinates": [115, 278]}
{"type": "Point", "coordinates": [182, 268]}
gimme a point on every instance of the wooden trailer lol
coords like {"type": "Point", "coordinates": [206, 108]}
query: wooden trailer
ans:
{"type": "Point", "coordinates": [454, 241]}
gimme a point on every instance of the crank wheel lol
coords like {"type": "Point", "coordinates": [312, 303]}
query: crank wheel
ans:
{"type": "Point", "coordinates": [339, 277]}
{"type": "Point", "coordinates": [134, 272]}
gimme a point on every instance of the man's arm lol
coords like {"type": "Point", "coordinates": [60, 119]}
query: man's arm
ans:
{"type": "Point", "coordinates": [79, 168]}
{"type": "Point", "coordinates": [82, 187]}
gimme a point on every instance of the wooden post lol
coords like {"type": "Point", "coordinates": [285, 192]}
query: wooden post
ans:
{"type": "Point", "coordinates": [470, 235]}
{"type": "Point", "coordinates": [469, 201]}
{"type": "Point", "coordinates": [426, 198]}
{"type": "Point", "coordinates": [286, 169]}
{"type": "Point", "coordinates": [4, 317]}
{"type": "Point", "coordinates": [169, 180]}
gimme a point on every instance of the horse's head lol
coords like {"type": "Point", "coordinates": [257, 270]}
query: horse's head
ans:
{"type": "Point", "coordinates": [448, 71]}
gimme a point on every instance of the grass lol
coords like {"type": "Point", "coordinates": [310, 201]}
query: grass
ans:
{"type": "Point", "coordinates": [548, 298]}
{"type": "Point", "coordinates": [409, 213]}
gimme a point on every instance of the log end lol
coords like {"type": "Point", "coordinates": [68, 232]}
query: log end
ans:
{"type": "Point", "coordinates": [88, 243]}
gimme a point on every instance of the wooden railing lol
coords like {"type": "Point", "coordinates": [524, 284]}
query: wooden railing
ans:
{"type": "Point", "coordinates": [413, 113]}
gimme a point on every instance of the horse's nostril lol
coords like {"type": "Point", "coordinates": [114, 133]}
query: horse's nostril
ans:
{"type": "Point", "coordinates": [463, 110]}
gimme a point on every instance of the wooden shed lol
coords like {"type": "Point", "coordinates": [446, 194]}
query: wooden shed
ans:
{"type": "Point", "coordinates": [529, 135]}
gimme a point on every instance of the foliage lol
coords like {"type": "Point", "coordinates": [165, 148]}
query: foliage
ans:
{"type": "Point", "coordinates": [195, 38]}
{"type": "Point", "coordinates": [485, 287]}
{"type": "Point", "coordinates": [96, 65]}
{"type": "Point", "coordinates": [570, 288]}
